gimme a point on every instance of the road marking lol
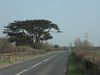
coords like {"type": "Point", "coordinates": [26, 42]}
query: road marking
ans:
{"type": "Point", "coordinates": [49, 58]}
{"type": "Point", "coordinates": [22, 72]}
{"type": "Point", "coordinates": [35, 65]}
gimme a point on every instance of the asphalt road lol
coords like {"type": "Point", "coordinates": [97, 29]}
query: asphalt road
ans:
{"type": "Point", "coordinates": [49, 64]}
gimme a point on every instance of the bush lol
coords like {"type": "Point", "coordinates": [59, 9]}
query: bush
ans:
{"type": "Point", "coordinates": [90, 61]}
{"type": "Point", "coordinates": [5, 46]}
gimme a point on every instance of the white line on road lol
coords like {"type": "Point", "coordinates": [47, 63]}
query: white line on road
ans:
{"type": "Point", "coordinates": [35, 65]}
{"type": "Point", "coordinates": [49, 58]}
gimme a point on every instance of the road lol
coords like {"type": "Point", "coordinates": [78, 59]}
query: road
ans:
{"type": "Point", "coordinates": [49, 64]}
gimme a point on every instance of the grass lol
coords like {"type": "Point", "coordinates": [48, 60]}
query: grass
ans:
{"type": "Point", "coordinates": [19, 58]}
{"type": "Point", "coordinates": [16, 59]}
{"type": "Point", "coordinates": [73, 67]}
{"type": "Point", "coordinates": [13, 60]}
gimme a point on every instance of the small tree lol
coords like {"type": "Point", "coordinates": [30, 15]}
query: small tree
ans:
{"type": "Point", "coordinates": [83, 44]}
{"type": "Point", "coordinates": [5, 46]}
{"type": "Point", "coordinates": [87, 45]}
{"type": "Point", "coordinates": [56, 46]}
{"type": "Point", "coordinates": [78, 43]}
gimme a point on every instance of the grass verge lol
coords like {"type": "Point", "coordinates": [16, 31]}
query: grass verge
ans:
{"type": "Point", "coordinates": [73, 67]}
{"type": "Point", "coordinates": [19, 58]}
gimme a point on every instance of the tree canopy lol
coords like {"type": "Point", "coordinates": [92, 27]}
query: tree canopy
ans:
{"type": "Point", "coordinates": [30, 32]}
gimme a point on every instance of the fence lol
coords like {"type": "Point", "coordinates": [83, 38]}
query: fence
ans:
{"type": "Point", "coordinates": [12, 57]}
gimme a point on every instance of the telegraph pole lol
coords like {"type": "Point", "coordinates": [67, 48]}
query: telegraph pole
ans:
{"type": "Point", "coordinates": [86, 36]}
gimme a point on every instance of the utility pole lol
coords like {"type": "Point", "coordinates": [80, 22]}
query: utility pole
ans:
{"type": "Point", "coordinates": [86, 36]}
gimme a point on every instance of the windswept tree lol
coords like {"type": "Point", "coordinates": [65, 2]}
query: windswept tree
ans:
{"type": "Point", "coordinates": [78, 43]}
{"type": "Point", "coordinates": [30, 32]}
{"type": "Point", "coordinates": [83, 44]}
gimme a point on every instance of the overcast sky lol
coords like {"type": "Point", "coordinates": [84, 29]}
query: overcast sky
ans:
{"type": "Point", "coordinates": [74, 17]}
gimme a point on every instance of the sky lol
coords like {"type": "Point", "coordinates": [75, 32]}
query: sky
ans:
{"type": "Point", "coordinates": [74, 17]}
